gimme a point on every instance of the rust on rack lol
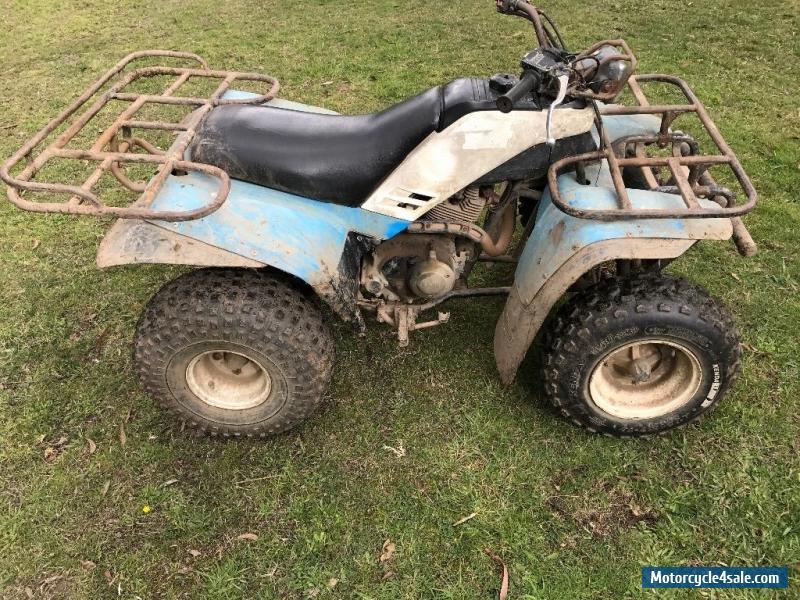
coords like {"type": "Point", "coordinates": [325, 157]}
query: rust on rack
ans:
{"type": "Point", "coordinates": [625, 54]}
{"type": "Point", "coordinates": [115, 146]}
{"type": "Point", "coordinates": [686, 165]}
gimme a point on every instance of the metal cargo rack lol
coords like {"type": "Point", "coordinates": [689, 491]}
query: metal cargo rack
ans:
{"type": "Point", "coordinates": [117, 145]}
{"type": "Point", "coordinates": [687, 168]}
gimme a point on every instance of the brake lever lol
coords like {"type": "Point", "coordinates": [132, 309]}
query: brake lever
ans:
{"type": "Point", "coordinates": [563, 83]}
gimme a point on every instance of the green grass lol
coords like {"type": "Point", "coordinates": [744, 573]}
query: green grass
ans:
{"type": "Point", "coordinates": [574, 516]}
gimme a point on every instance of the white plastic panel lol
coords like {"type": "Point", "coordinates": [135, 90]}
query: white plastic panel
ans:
{"type": "Point", "coordinates": [448, 161]}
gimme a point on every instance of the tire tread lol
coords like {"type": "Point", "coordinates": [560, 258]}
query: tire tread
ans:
{"type": "Point", "coordinates": [613, 300]}
{"type": "Point", "coordinates": [263, 309]}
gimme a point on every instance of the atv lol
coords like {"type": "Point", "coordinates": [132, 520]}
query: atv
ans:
{"type": "Point", "coordinates": [568, 171]}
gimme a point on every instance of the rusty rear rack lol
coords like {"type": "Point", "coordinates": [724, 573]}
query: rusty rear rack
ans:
{"type": "Point", "coordinates": [686, 167]}
{"type": "Point", "coordinates": [117, 146]}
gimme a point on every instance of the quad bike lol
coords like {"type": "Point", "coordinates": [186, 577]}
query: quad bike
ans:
{"type": "Point", "coordinates": [568, 171]}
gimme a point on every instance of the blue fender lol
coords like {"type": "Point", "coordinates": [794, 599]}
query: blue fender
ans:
{"type": "Point", "coordinates": [561, 248]}
{"type": "Point", "coordinates": [258, 226]}
{"type": "Point", "coordinates": [297, 235]}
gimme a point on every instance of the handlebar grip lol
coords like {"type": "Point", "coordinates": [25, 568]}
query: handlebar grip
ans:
{"type": "Point", "coordinates": [522, 88]}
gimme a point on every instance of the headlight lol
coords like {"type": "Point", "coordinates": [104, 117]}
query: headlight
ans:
{"type": "Point", "coordinates": [604, 74]}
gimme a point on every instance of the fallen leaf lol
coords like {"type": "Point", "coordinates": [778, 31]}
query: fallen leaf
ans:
{"type": "Point", "coordinates": [123, 439]}
{"type": "Point", "coordinates": [169, 482]}
{"type": "Point", "coordinates": [35, 244]}
{"type": "Point", "coordinates": [88, 565]}
{"type": "Point", "coordinates": [99, 344]}
{"type": "Point", "coordinates": [387, 575]}
{"type": "Point", "coordinates": [504, 581]}
{"type": "Point", "coordinates": [465, 519]}
{"type": "Point", "coordinates": [194, 553]}
{"type": "Point", "coordinates": [109, 577]}
{"type": "Point", "coordinates": [736, 277]}
{"type": "Point", "coordinates": [250, 537]}
{"type": "Point", "coordinates": [753, 349]}
{"type": "Point", "coordinates": [327, 83]}
{"type": "Point", "coordinates": [106, 485]}
{"type": "Point", "coordinates": [387, 551]}
{"type": "Point", "coordinates": [332, 582]}
{"type": "Point", "coordinates": [29, 592]}
{"type": "Point", "coordinates": [50, 454]}
{"type": "Point", "coordinates": [92, 446]}
{"type": "Point", "coordinates": [399, 452]}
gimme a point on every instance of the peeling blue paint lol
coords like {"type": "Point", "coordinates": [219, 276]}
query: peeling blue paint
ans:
{"type": "Point", "coordinates": [297, 235]}
{"type": "Point", "coordinates": [557, 236]}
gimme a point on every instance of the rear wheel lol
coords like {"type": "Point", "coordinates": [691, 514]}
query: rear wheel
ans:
{"type": "Point", "coordinates": [640, 356]}
{"type": "Point", "coordinates": [234, 352]}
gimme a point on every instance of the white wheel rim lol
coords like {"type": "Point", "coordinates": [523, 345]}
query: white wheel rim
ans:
{"type": "Point", "coordinates": [645, 379]}
{"type": "Point", "coordinates": [228, 380]}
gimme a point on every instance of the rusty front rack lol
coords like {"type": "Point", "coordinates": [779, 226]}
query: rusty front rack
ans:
{"type": "Point", "coordinates": [688, 174]}
{"type": "Point", "coordinates": [115, 145]}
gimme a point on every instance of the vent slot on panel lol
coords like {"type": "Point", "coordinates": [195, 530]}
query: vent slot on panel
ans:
{"type": "Point", "coordinates": [415, 202]}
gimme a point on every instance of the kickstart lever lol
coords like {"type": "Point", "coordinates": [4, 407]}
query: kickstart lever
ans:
{"type": "Point", "coordinates": [563, 83]}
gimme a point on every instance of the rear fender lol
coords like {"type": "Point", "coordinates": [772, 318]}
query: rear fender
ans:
{"type": "Point", "coordinates": [316, 242]}
{"type": "Point", "coordinates": [561, 249]}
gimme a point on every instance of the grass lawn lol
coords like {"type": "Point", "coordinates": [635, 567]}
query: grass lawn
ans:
{"type": "Point", "coordinates": [573, 515]}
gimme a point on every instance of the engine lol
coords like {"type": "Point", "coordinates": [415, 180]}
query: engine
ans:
{"type": "Point", "coordinates": [464, 207]}
{"type": "Point", "coordinates": [414, 266]}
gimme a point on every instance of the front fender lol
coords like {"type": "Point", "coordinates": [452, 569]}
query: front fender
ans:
{"type": "Point", "coordinates": [562, 248]}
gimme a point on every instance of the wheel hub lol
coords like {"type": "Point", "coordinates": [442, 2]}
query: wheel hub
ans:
{"type": "Point", "coordinates": [228, 380]}
{"type": "Point", "coordinates": [645, 379]}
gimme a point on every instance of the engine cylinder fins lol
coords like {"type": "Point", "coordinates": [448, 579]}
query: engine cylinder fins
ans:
{"type": "Point", "coordinates": [464, 207]}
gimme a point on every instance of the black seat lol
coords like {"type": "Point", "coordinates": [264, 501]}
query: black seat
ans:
{"type": "Point", "coordinates": [332, 158]}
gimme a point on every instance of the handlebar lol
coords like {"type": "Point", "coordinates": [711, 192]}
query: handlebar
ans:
{"type": "Point", "coordinates": [598, 73]}
{"type": "Point", "coordinates": [528, 81]}
{"type": "Point", "coordinates": [522, 8]}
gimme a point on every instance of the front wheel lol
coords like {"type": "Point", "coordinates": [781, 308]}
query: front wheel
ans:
{"type": "Point", "coordinates": [640, 356]}
{"type": "Point", "coordinates": [234, 351]}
